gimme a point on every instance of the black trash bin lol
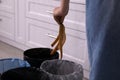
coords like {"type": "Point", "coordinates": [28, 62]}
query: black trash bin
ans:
{"type": "Point", "coordinates": [62, 70]}
{"type": "Point", "coordinates": [36, 56]}
{"type": "Point", "coordinates": [24, 73]}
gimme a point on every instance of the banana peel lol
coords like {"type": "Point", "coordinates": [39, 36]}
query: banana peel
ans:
{"type": "Point", "coordinates": [60, 40]}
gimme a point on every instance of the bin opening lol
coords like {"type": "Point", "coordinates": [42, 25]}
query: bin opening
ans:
{"type": "Point", "coordinates": [36, 56]}
{"type": "Point", "coordinates": [39, 53]}
{"type": "Point", "coordinates": [61, 68]}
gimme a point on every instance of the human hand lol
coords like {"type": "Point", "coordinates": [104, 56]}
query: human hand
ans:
{"type": "Point", "coordinates": [59, 14]}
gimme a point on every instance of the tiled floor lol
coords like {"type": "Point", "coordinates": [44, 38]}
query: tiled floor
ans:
{"type": "Point", "coordinates": [7, 51]}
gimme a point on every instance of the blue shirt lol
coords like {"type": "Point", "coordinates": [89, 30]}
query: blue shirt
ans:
{"type": "Point", "coordinates": [103, 34]}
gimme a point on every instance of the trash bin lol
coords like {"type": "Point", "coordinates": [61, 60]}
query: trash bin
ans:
{"type": "Point", "coordinates": [62, 70]}
{"type": "Point", "coordinates": [11, 63]}
{"type": "Point", "coordinates": [36, 56]}
{"type": "Point", "coordinates": [24, 73]}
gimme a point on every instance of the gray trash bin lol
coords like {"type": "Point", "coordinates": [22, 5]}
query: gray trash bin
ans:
{"type": "Point", "coordinates": [62, 70]}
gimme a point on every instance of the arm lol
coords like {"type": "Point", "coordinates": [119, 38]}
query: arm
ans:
{"type": "Point", "coordinates": [62, 10]}
{"type": "Point", "coordinates": [64, 6]}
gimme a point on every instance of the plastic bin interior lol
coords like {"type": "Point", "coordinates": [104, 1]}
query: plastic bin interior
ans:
{"type": "Point", "coordinates": [62, 70]}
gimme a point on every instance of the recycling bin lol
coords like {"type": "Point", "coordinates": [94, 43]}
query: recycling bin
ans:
{"type": "Point", "coordinates": [11, 63]}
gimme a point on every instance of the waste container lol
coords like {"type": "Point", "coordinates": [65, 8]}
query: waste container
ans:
{"type": "Point", "coordinates": [62, 70]}
{"type": "Point", "coordinates": [11, 63]}
{"type": "Point", "coordinates": [36, 56]}
{"type": "Point", "coordinates": [23, 73]}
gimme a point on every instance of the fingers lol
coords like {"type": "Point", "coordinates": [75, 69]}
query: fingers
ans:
{"type": "Point", "coordinates": [59, 19]}
{"type": "Point", "coordinates": [62, 19]}
{"type": "Point", "coordinates": [58, 15]}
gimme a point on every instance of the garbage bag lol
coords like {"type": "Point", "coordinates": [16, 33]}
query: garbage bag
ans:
{"type": "Point", "coordinates": [10, 63]}
{"type": "Point", "coordinates": [62, 70]}
{"type": "Point", "coordinates": [23, 73]}
{"type": "Point", "coordinates": [36, 56]}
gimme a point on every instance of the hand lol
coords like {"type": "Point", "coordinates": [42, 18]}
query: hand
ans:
{"type": "Point", "coordinates": [59, 14]}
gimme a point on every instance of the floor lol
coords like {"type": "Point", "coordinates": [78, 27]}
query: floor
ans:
{"type": "Point", "coordinates": [7, 51]}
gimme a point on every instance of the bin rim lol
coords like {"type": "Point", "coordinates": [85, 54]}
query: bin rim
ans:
{"type": "Point", "coordinates": [10, 59]}
{"type": "Point", "coordinates": [39, 59]}
{"type": "Point", "coordinates": [36, 48]}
